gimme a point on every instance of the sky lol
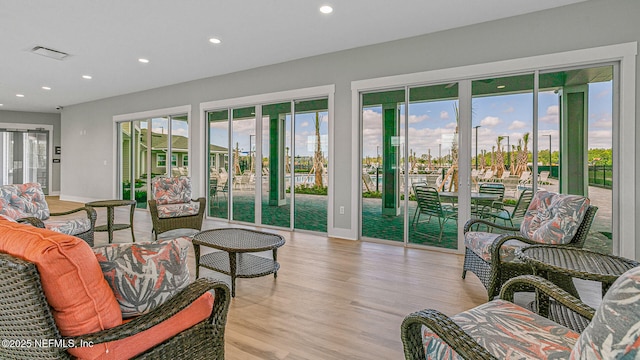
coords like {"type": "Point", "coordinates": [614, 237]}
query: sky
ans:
{"type": "Point", "coordinates": [432, 123]}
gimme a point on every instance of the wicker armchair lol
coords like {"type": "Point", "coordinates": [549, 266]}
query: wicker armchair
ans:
{"type": "Point", "coordinates": [26, 203]}
{"type": "Point", "coordinates": [492, 256]}
{"type": "Point", "coordinates": [555, 329]}
{"type": "Point", "coordinates": [172, 207]}
{"type": "Point", "coordinates": [499, 328]}
{"type": "Point", "coordinates": [30, 317]}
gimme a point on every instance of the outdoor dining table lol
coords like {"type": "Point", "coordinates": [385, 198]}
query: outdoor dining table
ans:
{"type": "Point", "coordinates": [476, 197]}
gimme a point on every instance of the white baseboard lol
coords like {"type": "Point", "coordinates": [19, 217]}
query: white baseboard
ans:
{"type": "Point", "coordinates": [347, 234]}
{"type": "Point", "coordinates": [79, 199]}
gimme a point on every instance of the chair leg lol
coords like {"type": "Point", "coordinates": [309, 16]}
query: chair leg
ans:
{"type": "Point", "coordinates": [464, 273]}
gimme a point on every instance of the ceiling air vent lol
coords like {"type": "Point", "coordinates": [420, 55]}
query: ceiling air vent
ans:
{"type": "Point", "coordinates": [50, 53]}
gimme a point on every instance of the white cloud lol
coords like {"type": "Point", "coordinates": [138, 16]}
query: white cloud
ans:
{"type": "Point", "coordinates": [552, 116]}
{"type": "Point", "coordinates": [600, 139]}
{"type": "Point", "coordinates": [490, 121]}
{"type": "Point", "coordinates": [604, 93]}
{"type": "Point", "coordinates": [517, 124]}
{"type": "Point", "coordinates": [304, 124]}
{"type": "Point", "coordinates": [444, 115]}
{"type": "Point", "coordinates": [413, 119]}
{"type": "Point", "coordinates": [604, 122]}
{"type": "Point", "coordinates": [508, 110]}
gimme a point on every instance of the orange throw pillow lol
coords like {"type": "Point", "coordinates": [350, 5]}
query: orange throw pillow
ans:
{"type": "Point", "coordinates": [72, 280]}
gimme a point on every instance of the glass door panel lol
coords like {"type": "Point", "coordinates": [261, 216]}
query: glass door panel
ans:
{"type": "Point", "coordinates": [243, 164]}
{"type": "Point", "coordinates": [218, 161]}
{"type": "Point", "coordinates": [382, 212]}
{"type": "Point", "coordinates": [310, 164]}
{"type": "Point", "coordinates": [276, 177]}
{"type": "Point", "coordinates": [576, 111]}
{"type": "Point", "coordinates": [179, 146]}
{"type": "Point", "coordinates": [25, 157]}
{"type": "Point", "coordinates": [160, 157]}
{"type": "Point", "coordinates": [433, 163]}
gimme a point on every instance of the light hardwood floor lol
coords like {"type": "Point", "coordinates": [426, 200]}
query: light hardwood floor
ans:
{"type": "Point", "coordinates": [333, 299]}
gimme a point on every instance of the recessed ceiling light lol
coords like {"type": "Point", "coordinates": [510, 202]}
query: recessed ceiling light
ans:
{"type": "Point", "coordinates": [501, 86]}
{"type": "Point", "coordinates": [326, 9]}
{"type": "Point", "coordinates": [215, 41]}
{"type": "Point", "coordinates": [1, 104]}
{"type": "Point", "coordinates": [19, 95]}
{"type": "Point", "coordinates": [88, 77]}
{"type": "Point", "coordinates": [144, 61]}
{"type": "Point", "coordinates": [46, 88]}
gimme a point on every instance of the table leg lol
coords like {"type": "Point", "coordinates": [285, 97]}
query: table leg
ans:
{"type": "Point", "coordinates": [110, 218]}
{"type": "Point", "coordinates": [133, 210]}
{"type": "Point", "coordinates": [196, 250]}
{"type": "Point", "coordinates": [275, 258]}
{"type": "Point", "coordinates": [232, 272]}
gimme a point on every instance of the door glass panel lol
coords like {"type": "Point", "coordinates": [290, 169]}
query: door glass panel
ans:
{"type": "Point", "coordinates": [311, 156]}
{"type": "Point", "coordinates": [218, 160]}
{"type": "Point", "coordinates": [382, 212]}
{"type": "Point", "coordinates": [575, 110]}
{"type": "Point", "coordinates": [179, 146]}
{"type": "Point", "coordinates": [159, 147]}
{"type": "Point", "coordinates": [276, 177]}
{"type": "Point", "coordinates": [24, 158]}
{"type": "Point", "coordinates": [432, 163]}
{"type": "Point", "coordinates": [243, 164]}
{"type": "Point", "coordinates": [502, 128]}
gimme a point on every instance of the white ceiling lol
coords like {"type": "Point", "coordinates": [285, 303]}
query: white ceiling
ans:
{"type": "Point", "coordinates": [106, 37]}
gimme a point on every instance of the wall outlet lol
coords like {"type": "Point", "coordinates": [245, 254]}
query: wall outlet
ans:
{"type": "Point", "coordinates": [341, 210]}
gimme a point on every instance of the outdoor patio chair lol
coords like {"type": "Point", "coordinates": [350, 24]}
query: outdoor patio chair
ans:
{"type": "Point", "coordinates": [500, 329]}
{"type": "Point", "coordinates": [525, 178]}
{"type": "Point", "coordinates": [58, 304]}
{"type": "Point", "coordinates": [172, 207]}
{"type": "Point", "coordinates": [511, 186]}
{"type": "Point", "coordinates": [496, 189]}
{"type": "Point", "coordinates": [551, 218]}
{"type": "Point", "coordinates": [543, 178]}
{"type": "Point", "coordinates": [497, 210]}
{"type": "Point", "coordinates": [429, 205]}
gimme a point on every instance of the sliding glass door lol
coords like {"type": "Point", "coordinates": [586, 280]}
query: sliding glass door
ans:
{"type": "Point", "coordinates": [277, 169]}
{"type": "Point", "coordinates": [147, 148]}
{"type": "Point", "coordinates": [547, 130]}
{"type": "Point", "coordinates": [24, 157]}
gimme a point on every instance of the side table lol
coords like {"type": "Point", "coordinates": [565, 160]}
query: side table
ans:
{"type": "Point", "coordinates": [574, 262]}
{"type": "Point", "coordinates": [233, 260]}
{"type": "Point", "coordinates": [110, 227]}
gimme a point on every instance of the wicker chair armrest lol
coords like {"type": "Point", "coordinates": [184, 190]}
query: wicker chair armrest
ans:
{"type": "Point", "coordinates": [549, 289]}
{"type": "Point", "coordinates": [34, 221]}
{"type": "Point", "coordinates": [445, 328]}
{"type": "Point", "coordinates": [203, 203]}
{"type": "Point", "coordinates": [476, 221]}
{"type": "Point", "coordinates": [163, 312]}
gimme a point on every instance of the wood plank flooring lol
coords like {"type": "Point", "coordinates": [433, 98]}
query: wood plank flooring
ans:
{"type": "Point", "coordinates": [333, 299]}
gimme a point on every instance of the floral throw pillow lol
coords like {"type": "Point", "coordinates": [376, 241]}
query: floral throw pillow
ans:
{"type": "Point", "coordinates": [144, 275]}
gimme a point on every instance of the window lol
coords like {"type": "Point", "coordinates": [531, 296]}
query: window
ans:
{"type": "Point", "coordinates": [185, 160]}
{"type": "Point", "coordinates": [161, 160]}
{"type": "Point", "coordinates": [174, 160]}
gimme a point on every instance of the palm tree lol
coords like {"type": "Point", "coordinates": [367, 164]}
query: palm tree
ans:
{"type": "Point", "coordinates": [317, 158]}
{"type": "Point", "coordinates": [523, 154]}
{"type": "Point", "coordinates": [499, 158]}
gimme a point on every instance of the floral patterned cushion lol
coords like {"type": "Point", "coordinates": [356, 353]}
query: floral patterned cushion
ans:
{"type": "Point", "coordinates": [507, 331]}
{"type": "Point", "coordinates": [69, 226]}
{"type": "Point", "coordinates": [177, 210]}
{"type": "Point", "coordinates": [480, 243]}
{"type": "Point", "coordinates": [23, 200]}
{"type": "Point", "coordinates": [171, 190]}
{"type": "Point", "coordinates": [553, 218]}
{"type": "Point", "coordinates": [144, 275]}
{"type": "Point", "coordinates": [614, 332]}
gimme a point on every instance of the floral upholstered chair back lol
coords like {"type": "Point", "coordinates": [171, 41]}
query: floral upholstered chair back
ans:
{"type": "Point", "coordinates": [553, 218]}
{"type": "Point", "coordinates": [23, 200]}
{"type": "Point", "coordinates": [171, 190]}
{"type": "Point", "coordinates": [614, 331]}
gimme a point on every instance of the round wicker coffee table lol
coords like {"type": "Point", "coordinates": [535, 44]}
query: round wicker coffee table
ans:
{"type": "Point", "coordinates": [234, 259]}
{"type": "Point", "coordinates": [110, 227]}
{"type": "Point", "coordinates": [578, 263]}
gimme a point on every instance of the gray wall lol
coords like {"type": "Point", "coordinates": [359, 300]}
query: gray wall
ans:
{"type": "Point", "coordinates": [20, 117]}
{"type": "Point", "coordinates": [584, 25]}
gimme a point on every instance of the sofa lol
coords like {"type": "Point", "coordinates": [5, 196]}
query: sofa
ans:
{"type": "Point", "coordinates": [27, 203]}
{"type": "Point", "coordinates": [59, 301]}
